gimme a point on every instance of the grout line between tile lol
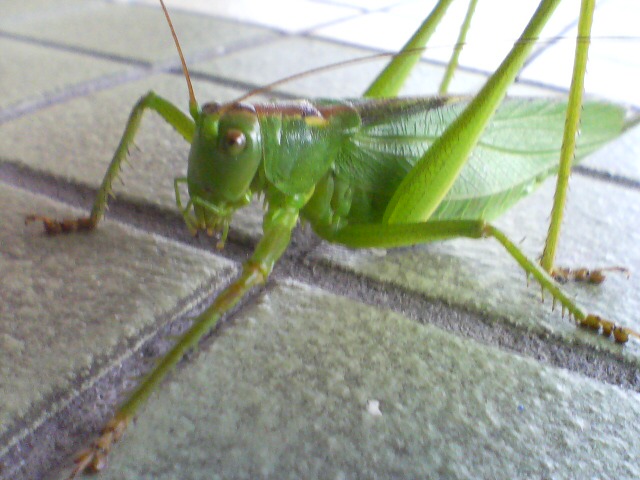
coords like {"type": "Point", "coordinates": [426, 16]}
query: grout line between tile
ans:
{"type": "Point", "coordinates": [605, 366]}
{"type": "Point", "coordinates": [37, 415]}
{"type": "Point", "coordinates": [73, 423]}
{"type": "Point", "coordinates": [607, 177]}
{"type": "Point", "coordinates": [140, 70]}
{"type": "Point", "coordinates": [63, 47]}
{"type": "Point", "coordinates": [169, 224]}
{"type": "Point", "coordinates": [35, 104]}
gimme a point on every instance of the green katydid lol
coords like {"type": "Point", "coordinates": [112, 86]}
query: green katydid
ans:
{"type": "Point", "coordinates": [365, 173]}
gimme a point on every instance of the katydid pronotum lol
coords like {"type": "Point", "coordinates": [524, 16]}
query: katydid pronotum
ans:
{"type": "Point", "coordinates": [303, 157]}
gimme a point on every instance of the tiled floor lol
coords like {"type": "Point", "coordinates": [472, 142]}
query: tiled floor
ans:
{"type": "Point", "coordinates": [473, 376]}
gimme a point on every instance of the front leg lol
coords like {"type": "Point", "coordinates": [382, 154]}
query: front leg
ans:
{"type": "Point", "coordinates": [278, 224]}
{"type": "Point", "coordinates": [174, 117]}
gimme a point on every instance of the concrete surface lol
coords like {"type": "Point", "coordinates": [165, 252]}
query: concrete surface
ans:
{"type": "Point", "coordinates": [428, 362]}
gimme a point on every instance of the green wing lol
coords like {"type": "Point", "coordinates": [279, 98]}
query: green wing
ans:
{"type": "Point", "coordinates": [517, 151]}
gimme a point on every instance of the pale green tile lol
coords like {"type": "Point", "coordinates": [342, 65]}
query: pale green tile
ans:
{"type": "Point", "coordinates": [613, 66]}
{"type": "Point", "coordinates": [264, 64]}
{"type": "Point", "coordinates": [135, 32]}
{"type": "Point", "coordinates": [34, 73]}
{"type": "Point", "coordinates": [620, 158]}
{"type": "Point", "coordinates": [287, 15]}
{"type": "Point", "coordinates": [28, 10]}
{"type": "Point", "coordinates": [285, 394]}
{"type": "Point", "coordinates": [72, 305]}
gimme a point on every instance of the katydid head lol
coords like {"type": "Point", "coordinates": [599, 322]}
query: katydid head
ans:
{"type": "Point", "coordinates": [225, 155]}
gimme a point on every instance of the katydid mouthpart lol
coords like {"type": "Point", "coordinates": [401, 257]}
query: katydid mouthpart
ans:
{"type": "Point", "coordinates": [373, 172]}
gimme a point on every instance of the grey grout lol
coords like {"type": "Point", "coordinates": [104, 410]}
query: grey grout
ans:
{"type": "Point", "coordinates": [607, 177]}
{"type": "Point", "coordinates": [63, 47]}
{"type": "Point", "coordinates": [140, 70]}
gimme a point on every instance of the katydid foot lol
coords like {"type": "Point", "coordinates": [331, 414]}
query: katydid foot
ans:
{"type": "Point", "coordinates": [586, 275]}
{"type": "Point", "coordinates": [607, 328]}
{"type": "Point", "coordinates": [94, 458]}
{"type": "Point", "coordinates": [67, 225]}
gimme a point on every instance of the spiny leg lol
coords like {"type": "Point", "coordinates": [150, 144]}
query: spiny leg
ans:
{"type": "Point", "coordinates": [453, 61]}
{"type": "Point", "coordinates": [389, 82]}
{"type": "Point", "coordinates": [569, 139]}
{"type": "Point", "coordinates": [94, 458]}
{"type": "Point", "coordinates": [432, 176]}
{"type": "Point", "coordinates": [606, 327]}
{"type": "Point", "coordinates": [574, 108]}
{"type": "Point", "coordinates": [279, 221]}
{"type": "Point", "coordinates": [172, 114]}
{"type": "Point", "coordinates": [398, 235]}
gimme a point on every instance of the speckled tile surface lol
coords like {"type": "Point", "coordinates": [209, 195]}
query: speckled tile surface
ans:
{"type": "Point", "coordinates": [309, 385]}
{"type": "Point", "coordinates": [71, 306]}
{"type": "Point", "coordinates": [430, 361]}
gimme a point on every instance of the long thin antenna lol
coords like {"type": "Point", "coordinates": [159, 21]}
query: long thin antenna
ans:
{"type": "Point", "coordinates": [193, 104]}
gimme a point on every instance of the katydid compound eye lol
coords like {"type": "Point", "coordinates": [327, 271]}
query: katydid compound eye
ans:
{"type": "Point", "coordinates": [234, 141]}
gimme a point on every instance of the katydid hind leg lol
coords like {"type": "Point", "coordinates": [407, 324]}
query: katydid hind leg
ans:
{"type": "Point", "coordinates": [452, 65]}
{"type": "Point", "coordinates": [442, 163]}
{"type": "Point", "coordinates": [170, 113]}
{"type": "Point", "coordinates": [399, 235]}
{"type": "Point", "coordinates": [567, 154]}
{"type": "Point", "coordinates": [279, 221]}
{"type": "Point", "coordinates": [569, 138]}
{"type": "Point", "coordinates": [389, 82]}
{"type": "Point", "coordinates": [601, 325]}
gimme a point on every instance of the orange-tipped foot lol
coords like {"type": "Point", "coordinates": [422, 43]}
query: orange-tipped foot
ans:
{"type": "Point", "coordinates": [586, 275]}
{"type": "Point", "coordinates": [68, 225]}
{"type": "Point", "coordinates": [607, 328]}
{"type": "Point", "coordinates": [94, 458]}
